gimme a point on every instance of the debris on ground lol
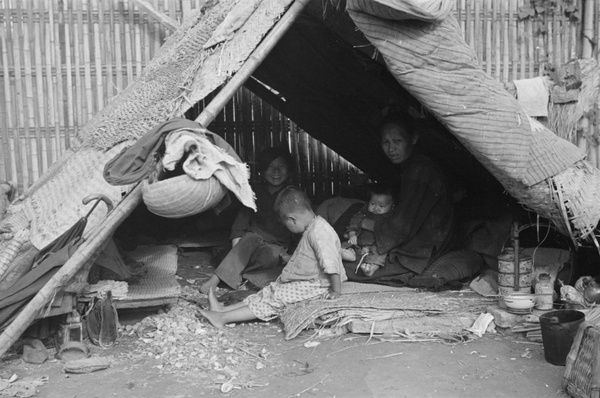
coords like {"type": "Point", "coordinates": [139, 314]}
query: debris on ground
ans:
{"type": "Point", "coordinates": [181, 343]}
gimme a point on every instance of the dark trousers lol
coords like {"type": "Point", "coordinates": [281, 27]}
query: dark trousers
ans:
{"type": "Point", "coordinates": [250, 254]}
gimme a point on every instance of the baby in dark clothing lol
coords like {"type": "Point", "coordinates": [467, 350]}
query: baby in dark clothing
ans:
{"type": "Point", "coordinates": [381, 201]}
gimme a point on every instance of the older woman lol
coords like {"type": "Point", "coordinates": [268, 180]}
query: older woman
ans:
{"type": "Point", "coordinates": [421, 227]}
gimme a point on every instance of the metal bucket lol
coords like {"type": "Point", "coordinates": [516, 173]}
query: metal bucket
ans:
{"type": "Point", "coordinates": [558, 331]}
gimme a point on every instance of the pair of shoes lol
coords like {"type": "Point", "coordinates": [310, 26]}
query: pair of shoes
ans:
{"type": "Point", "coordinates": [348, 254]}
{"type": "Point", "coordinates": [369, 269]}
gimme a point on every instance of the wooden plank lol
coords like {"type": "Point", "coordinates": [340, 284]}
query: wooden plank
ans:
{"type": "Point", "coordinates": [40, 92]}
{"type": "Point", "coordinates": [95, 13]}
{"type": "Point", "coordinates": [488, 38]}
{"type": "Point", "coordinates": [33, 121]}
{"type": "Point", "coordinates": [413, 325]}
{"type": "Point", "coordinates": [17, 97]}
{"type": "Point", "coordinates": [118, 48]}
{"type": "Point", "coordinates": [128, 43]}
{"type": "Point", "coordinates": [84, 30]}
{"type": "Point", "coordinates": [72, 117]}
{"type": "Point", "coordinates": [7, 106]}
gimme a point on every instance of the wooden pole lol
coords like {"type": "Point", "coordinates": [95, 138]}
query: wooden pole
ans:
{"type": "Point", "coordinates": [588, 28]}
{"type": "Point", "coordinates": [254, 60]}
{"type": "Point", "coordinates": [69, 269]}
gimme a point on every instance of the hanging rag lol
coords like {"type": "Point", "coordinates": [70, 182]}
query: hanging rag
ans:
{"type": "Point", "coordinates": [205, 160]}
{"type": "Point", "coordinates": [138, 161]}
{"type": "Point", "coordinates": [533, 96]}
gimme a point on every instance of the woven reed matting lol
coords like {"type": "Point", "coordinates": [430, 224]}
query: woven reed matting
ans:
{"type": "Point", "coordinates": [401, 304]}
{"type": "Point", "coordinates": [227, 59]}
{"type": "Point", "coordinates": [564, 119]}
{"type": "Point", "coordinates": [182, 73]}
{"type": "Point", "coordinates": [55, 206]}
{"type": "Point", "coordinates": [160, 281]}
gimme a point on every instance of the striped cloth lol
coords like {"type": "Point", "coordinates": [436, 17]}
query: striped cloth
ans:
{"type": "Point", "coordinates": [434, 63]}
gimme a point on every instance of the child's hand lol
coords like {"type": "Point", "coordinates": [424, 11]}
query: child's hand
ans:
{"type": "Point", "coordinates": [353, 240]}
{"type": "Point", "coordinates": [284, 258]}
{"type": "Point", "coordinates": [332, 295]}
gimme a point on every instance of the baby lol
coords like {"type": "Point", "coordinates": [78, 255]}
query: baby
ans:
{"type": "Point", "coordinates": [381, 201]}
{"type": "Point", "coordinates": [315, 269]}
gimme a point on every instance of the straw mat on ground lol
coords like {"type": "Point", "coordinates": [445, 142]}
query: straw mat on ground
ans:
{"type": "Point", "coordinates": [404, 303]}
{"type": "Point", "coordinates": [159, 282]}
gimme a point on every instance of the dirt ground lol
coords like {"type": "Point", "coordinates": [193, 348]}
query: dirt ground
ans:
{"type": "Point", "coordinates": [254, 360]}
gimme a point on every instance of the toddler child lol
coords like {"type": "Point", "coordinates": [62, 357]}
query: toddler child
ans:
{"type": "Point", "coordinates": [258, 240]}
{"type": "Point", "coordinates": [315, 269]}
{"type": "Point", "coordinates": [381, 201]}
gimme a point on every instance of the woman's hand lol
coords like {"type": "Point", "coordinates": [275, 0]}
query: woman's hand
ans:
{"type": "Point", "coordinates": [353, 240]}
{"type": "Point", "coordinates": [285, 258]}
{"type": "Point", "coordinates": [331, 295]}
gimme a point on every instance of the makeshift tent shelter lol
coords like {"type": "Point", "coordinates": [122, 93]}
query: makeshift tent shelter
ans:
{"type": "Point", "coordinates": [340, 95]}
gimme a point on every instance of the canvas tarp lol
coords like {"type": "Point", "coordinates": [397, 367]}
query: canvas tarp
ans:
{"type": "Point", "coordinates": [433, 62]}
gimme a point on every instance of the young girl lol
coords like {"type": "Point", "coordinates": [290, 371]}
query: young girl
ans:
{"type": "Point", "coordinates": [315, 269]}
{"type": "Point", "coordinates": [381, 201]}
{"type": "Point", "coordinates": [258, 239]}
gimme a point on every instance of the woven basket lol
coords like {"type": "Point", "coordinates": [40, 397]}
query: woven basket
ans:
{"type": "Point", "coordinates": [583, 378]}
{"type": "Point", "coordinates": [182, 196]}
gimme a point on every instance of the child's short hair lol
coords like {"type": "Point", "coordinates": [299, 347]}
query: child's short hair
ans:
{"type": "Point", "coordinates": [382, 188]}
{"type": "Point", "coordinates": [291, 199]}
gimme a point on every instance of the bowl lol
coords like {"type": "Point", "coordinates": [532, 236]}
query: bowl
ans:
{"type": "Point", "coordinates": [519, 301]}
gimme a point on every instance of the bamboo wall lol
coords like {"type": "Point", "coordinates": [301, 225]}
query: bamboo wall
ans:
{"type": "Point", "coordinates": [62, 61]}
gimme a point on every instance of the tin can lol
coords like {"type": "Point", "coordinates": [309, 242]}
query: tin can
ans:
{"type": "Point", "coordinates": [506, 262]}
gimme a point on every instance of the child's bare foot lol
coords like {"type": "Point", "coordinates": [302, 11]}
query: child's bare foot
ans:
{"type": "Point", "coordinates": [348, 254]}
{"type": "Point", "coordinates": [215, 318]}
{"type": "Point", "coordinates": [211, 283]}
{"type": "Point", "coordinates": [369, 269]}
{"type": "Point", "coordinates": [213, 303]}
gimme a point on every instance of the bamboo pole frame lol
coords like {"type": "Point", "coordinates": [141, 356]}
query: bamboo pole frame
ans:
{"type": "Point", "coordinates": [127, 205]}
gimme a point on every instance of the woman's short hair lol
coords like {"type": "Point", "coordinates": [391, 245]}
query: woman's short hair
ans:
{"type": "Point", "coordinates": [402, 120]}
{"type": "Point", "coordinates": [266, 156]}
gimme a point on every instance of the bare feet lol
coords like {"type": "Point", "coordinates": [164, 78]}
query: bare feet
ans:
{"type": "Point", "coordinates": [215, 318]}
{"type": "Point", "coordinates": [214, 304]}
{"type": "Point", "coordinates": [211, 283]}
{"type": "Point", "coordinates": [348, 254]}
{"type": "Point", "coordinates": [369, 269]}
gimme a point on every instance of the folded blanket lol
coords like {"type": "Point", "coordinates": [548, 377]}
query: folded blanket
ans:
{"type": "Point", "coordinates": [205, 160]}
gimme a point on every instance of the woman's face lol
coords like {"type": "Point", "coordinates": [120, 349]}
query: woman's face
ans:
{"type": "Point", "coordinates": [277, 172]}
{"type": "Point", "coordinates": [397, 144]}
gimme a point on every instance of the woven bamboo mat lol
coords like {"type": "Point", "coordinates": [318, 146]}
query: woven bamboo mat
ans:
{"type": "Point", "coordinates": [402, 304]}
{"type": "Point", "coordinates": [159, 285]}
